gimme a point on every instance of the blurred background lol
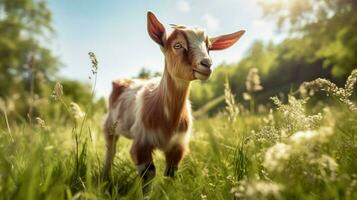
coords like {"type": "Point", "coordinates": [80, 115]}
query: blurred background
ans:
{"type": "Point", "coordinates": [259, 132]}
{"type": "Point", "coordinates": [287, 42]}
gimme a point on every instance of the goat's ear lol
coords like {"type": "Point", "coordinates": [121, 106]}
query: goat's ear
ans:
{"type": "Point", "coordinates": [224, 41]}
{"type": "Point", "coordinates": [156, 30]}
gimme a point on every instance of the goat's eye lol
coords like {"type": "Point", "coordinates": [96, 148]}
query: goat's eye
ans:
{"type": "Point", "coordinates": [177, 46]}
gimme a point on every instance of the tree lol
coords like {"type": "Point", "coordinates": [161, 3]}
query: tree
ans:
{"type": "Point", "coordinates": [326, 30]}
{"type": "Point", "coordinates": [25, 64]}
{"type": "Point", "coordinates": [145, 73]}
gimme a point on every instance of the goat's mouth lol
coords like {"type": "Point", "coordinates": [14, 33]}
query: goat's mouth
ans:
{"type": "Point", "coordinates": [201, 72]}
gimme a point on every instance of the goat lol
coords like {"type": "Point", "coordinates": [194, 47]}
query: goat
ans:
{"type": "Point", "coordinates": [156, 114]}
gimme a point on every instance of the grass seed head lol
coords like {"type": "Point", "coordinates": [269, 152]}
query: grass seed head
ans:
{"type": "Point", "coordinates": [94, 62]}
{"type": "Point", "coordinates": [232, 107]}
{"type": "Point", "coordinates": [253, 83]}
{"type": "Point", "coordinates": [76, 111]}
{"type": "Point", "coordinates": [57, 91]}
{"type": "Point", "coordinates": [41, 123]}
{"type": "Point", "coordinates": [343, 94]}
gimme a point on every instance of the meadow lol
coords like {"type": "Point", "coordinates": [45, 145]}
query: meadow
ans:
{"type": "Point", "coordinates": [297, 150]}
{"type": "Point", "coordinates": [278, 121]}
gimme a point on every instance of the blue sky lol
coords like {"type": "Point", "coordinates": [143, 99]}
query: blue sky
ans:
{"type": "Point", "coordinates": [115, 31]}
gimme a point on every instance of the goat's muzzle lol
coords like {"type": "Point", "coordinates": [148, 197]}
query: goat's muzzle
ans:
{"type": "Point", "coordinates": [202, 72]}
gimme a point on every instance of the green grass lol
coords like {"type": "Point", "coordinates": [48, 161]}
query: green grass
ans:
{"type": "Point", "coordinates": [227, 159]}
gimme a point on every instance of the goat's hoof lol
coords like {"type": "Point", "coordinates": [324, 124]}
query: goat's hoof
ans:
{"type": "Point", "coordinates": [147, 175]}
{"type": "Point", "coordinates": [170, 171]}
{"type": "Point", "coordinates": [146, 189]}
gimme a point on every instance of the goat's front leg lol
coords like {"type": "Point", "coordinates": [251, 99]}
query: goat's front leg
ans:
{"type": "Point", "coordinates": [142, 157]}
{"type": "Point", "coordinates": [173, 157]}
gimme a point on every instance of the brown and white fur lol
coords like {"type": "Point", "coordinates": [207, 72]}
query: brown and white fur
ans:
{"type": "Point", "coordinates": [156, 114]}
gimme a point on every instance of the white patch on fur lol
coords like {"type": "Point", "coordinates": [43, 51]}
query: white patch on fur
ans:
{"type": "Point", "coordinates": [155, 138]}
{"type": "Point", "coordinates": [130, 125]}
{"type": "Point", "coordinates": [182, 137]}
{"type": "Point", "coordinates": [197, 41]}
{"type": "Point", "coordinates": [138, 132]}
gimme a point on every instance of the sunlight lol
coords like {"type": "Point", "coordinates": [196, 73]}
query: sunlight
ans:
{"type": "Point", "coordinates": [273, 3]}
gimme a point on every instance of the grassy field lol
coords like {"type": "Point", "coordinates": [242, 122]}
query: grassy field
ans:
{"type": "Point", "coordinates": [288, 153]}
{"type": "Point", "coordinates": [300, 145]}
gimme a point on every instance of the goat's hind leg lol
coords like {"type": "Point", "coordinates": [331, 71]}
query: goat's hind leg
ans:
{"type": "Point", "coordinates": [111, 140]}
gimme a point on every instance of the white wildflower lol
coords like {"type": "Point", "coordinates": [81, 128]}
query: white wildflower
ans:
{"type": "Point", "coordinates": [303, 135]}
{"type": "Point", "coordinates": [203, 196]}
{"type": "Point", "coordinates": [352, 188]}
{"type": "Point", "coordinates": [276, 154]}
{"type": "Point", "coordinates": [327, 167]}
{"type": "Point", "coordinates": [309, 136]}
{"type": "Point", "coordinates": [303, 91]}
{"type": "Point", "coordinates": [257, 190]}
{"type": "Point", "coordinates": [267, 134]}
{"type": "Point", "coordinates": [328, 163]}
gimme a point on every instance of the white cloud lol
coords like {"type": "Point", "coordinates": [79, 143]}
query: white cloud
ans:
{"type": "Point", "coordinates": [212, 23]}
{"type": "Point", "coordinates": [183, 6]}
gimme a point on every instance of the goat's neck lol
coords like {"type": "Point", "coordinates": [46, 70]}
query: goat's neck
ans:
{"type": "Point", "coordinates": [174, 93]}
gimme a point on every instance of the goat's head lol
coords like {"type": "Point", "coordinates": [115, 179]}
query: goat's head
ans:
{"type": "Point", "coordinates": [186, 50]}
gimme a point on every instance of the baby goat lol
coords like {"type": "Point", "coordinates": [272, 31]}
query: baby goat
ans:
{"type": "Point", "coordinates": [156, 114]}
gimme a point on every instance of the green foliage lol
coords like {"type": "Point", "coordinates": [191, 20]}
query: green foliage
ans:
{"type": "Point", "coordinates": [27, 66]}
{"type": "Point", "coordinates": [322, 44]}
{"type": "Point", "coordinates": [282, 67]}
{"type": "Point", "coordinates": [146, 74]}
{"type": "Point", "coordinates": [325, 29]}
{"type": "Point", "coordinates": [23, 25]}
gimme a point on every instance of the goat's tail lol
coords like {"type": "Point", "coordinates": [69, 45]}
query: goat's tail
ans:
{"type": "Point", "coordinates": [118, 87]}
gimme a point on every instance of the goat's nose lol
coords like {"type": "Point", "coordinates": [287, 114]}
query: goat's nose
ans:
{"type": "Point", "coordinates": [206, 62]}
